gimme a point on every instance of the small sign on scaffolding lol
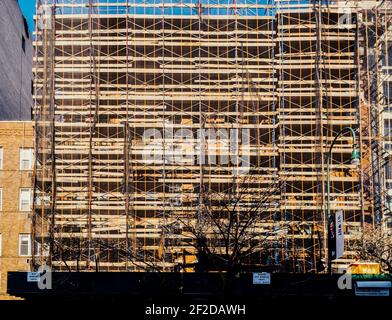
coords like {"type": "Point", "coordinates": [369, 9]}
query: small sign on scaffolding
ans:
{"type": "Point", "coordinates": [33, 276]}
{"type": "Point", "coordinates": [261, 278]}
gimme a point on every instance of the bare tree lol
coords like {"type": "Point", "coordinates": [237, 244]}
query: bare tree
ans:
{"type": "Point", "coordinates": [375, 245]}
{"type": "Point", "coordinates": [226, 231]}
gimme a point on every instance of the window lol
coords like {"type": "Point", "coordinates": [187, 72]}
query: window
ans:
{"type": "Point", "coordinates": [1, 199]}
{"type": "Point", "coordinates": [26, 156]}
{"type": "Point", "coordinates": [24, 245]}
{"type": "Point", "coordinates": [388, 92]}
{"type": "Point", "coordinates": [38, 249]}
{"type": "Point", "coordinates": [23, 44]}
{"type": "Point", "coordinates": [1, 158]}
{"type": "Point", "coordinates": [387, 56]}
{"type": "Point", "coordinates": [26, 27]}
{"type": "Point", "coordinates": [25, 199]}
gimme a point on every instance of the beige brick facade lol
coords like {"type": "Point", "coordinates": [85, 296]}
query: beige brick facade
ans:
{"type": "Point", "coordinates": [13, 222]}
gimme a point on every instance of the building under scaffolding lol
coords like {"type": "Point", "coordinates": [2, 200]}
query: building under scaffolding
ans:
{"type": "Point", "coordinates": [144, 109]}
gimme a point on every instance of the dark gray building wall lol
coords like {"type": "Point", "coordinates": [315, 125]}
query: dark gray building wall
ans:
{"type": "Point", "coordinates": [15, 64]}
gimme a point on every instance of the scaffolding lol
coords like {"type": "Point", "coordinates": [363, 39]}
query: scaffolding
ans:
{"type": "Point", "coordinates": [378, 93]}
{"type": "Point", "coordinates": [143, 107]}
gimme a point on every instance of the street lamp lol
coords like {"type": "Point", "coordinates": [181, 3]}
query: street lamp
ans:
{"type": "Point", "coordinates": [355, 159]}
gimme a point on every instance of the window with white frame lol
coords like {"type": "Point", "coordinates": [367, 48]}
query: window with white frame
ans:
{"type": "Point", "coordinates": [24, 245]}
{"type": "Point", "coordinates": [26, 158]}
{"type": "Point", "coordinates": [1, 157]}
{"type": "Point", "coordinates": [25, 198]}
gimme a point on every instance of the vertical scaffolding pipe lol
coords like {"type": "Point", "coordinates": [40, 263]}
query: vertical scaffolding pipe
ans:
{"type": "Point", "coordinates": [317, 6]}
{"type": "Point", "coordinates": [199, 9]}
{"type": "Point", "coordinates": [53, 137]}
{"type": "Point", "coordinates": [126, 189]}
{"type": "Point", "coordinates": [93, 120]}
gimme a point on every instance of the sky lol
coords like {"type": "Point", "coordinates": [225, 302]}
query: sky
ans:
{"type": "Point", "coordinates": [28, 9]}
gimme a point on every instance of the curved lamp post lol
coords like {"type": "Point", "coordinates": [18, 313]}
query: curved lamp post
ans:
{"type": "Point", "coordinates": [355, 157]}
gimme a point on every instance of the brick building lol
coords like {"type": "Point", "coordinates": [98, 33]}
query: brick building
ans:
{"type": "Point", "coordinates": [16, 164]}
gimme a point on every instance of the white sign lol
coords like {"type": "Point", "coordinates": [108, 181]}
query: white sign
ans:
{"type": "Point", "coordinates": [33, 276]}
{"type": "Point", "coordinates": [372, 288]}
{"type": "Point", "coordinates": [339, 230]}
{"type": "Point", "coordinates": [261, 278]}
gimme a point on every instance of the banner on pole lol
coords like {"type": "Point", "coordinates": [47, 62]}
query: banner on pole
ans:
{"type": "Point", "coordinates": [339, 234]}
